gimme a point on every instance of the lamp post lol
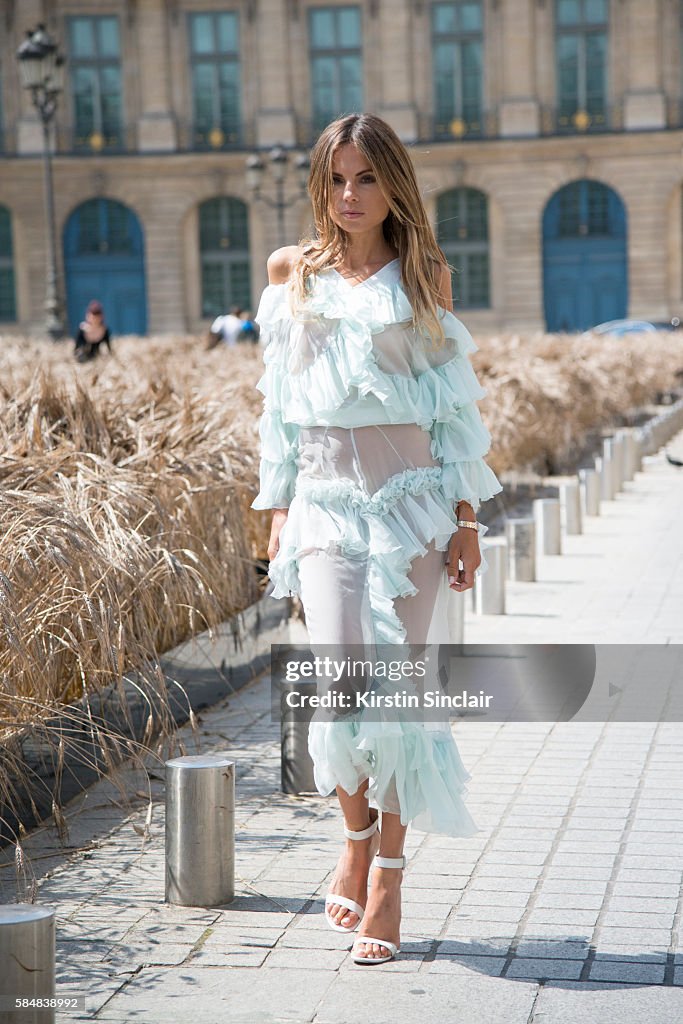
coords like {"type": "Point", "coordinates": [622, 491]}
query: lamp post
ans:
{"type": "Point", "coordinates": [278, 160]}
{"type": "Point", "coordinates": [42, 72]}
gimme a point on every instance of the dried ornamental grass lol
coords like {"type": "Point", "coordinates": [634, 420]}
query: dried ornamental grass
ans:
{"type": "Point", "coordinates": [123, 493]}
{"type": "Point", "coordinates": [547, 392]}
{"type": "Point", "coordinates": [124, 490]}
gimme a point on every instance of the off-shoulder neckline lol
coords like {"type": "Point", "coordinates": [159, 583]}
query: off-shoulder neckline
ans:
{"type": "Point", "coordinates": [367, 279]}
{"type": "Point", "coordinates": [332, 270]}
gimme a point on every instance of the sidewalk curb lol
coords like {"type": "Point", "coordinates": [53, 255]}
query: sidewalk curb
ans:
{"type": "Point", "coordinates": [209, 669]}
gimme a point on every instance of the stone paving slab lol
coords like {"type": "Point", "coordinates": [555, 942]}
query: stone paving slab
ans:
{"type": "Point", "coordinates": [206, 995]}
{"type": "Point", "coordinates": [580, 1003]}
{"type": "Point", "coordinates": [461, 994]}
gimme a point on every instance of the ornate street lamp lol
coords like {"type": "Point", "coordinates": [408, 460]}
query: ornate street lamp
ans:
{"type": "Point", "coordinates": [42, 72]}
{"type": "Point", "coordinates": [278, 160]}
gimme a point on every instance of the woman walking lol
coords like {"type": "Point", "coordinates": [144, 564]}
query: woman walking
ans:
{"type": "Point", "coordinates": [92, 333]}
{"type": "Point", "coordinates": [372, 460]}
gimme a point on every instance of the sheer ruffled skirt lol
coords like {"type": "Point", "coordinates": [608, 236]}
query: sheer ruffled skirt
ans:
{"type": "Point", "coordinates": [364, 547]}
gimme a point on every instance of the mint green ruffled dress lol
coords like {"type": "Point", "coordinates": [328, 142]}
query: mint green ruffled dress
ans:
{"type": "Point", "coordinates": [370, 437]}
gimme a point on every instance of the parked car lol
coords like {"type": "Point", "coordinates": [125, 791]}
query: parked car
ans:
{"type": "Point", "coordinates": [621, 327]}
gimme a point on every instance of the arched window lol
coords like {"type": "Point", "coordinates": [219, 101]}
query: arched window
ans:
{"type": "Point", "coordinates": [8, 308]}
{"type": "Point", "coordinates": [585, 257]}
{"type": "Point", "coordinates": [103, 226]}
{"type": "Point", "coordinates": [104, 259]}
{"type": "Point", "coordinates": [463, 234]}
{"type": "Point", "coordinates": [224, 250]}
{"type": "Point", "coordinates": [584, 209]}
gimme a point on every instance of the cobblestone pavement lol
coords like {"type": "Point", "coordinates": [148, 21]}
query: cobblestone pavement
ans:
{"type": "Point", "coordinates": [566, 907]}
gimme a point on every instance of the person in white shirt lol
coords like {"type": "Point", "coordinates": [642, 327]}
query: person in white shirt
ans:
{"type": "Point", "coordinates": [226, 328]}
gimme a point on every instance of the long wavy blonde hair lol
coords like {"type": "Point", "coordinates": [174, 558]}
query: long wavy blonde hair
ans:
{"type": "Point", "coordinates": [406, 226]}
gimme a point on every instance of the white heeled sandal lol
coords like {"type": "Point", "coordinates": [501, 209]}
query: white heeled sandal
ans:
{"type": "Point", "coordinates": [344, 901]}
{"type": "Point", "coordinates": [381, 862]}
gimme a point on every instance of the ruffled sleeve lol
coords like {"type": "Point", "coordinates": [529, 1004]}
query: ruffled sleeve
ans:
{"type": "Point", "coordinates": [279, 439]}
{"type": "Point", "coordinates": [460, 440]}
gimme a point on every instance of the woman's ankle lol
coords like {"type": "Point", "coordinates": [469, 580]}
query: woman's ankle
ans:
{"type": "Point", "coordinates": [389, 877]}
{"type": "Point", "coordinates": [360, 827]}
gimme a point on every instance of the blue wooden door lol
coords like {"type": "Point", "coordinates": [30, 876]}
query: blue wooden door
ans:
{"type": "Point", "coordinates": [104, 259]}
{"type": "Point", "coordinates": [585, 273]}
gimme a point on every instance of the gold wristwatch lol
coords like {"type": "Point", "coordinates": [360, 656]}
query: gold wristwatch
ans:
{"type": "Point", "coordinates": [468, 525]}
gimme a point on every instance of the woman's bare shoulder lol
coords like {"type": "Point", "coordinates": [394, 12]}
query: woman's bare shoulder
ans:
{"type": "Point", "coordinates": [280, 263]}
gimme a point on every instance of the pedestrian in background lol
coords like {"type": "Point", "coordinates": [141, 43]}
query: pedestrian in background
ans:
{"type": "Point", "coordinates": [92, 333]}
{"type": "Point", "coordinates": [226, 328]}
{"type": "Point", "coordinates": [250, 331]}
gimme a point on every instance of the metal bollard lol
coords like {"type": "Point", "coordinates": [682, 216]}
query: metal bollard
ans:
{"type": "Point", "coordinates": [665, 434]}
{"type": "Point", "coordinates": [27, 961]}
{"type": "Point", "coordinates": [644, 437]}
{"type": "Point", "coordinates": [634, 449]}
{"type": "Point", "coordinates": [490, 589]}
{"type": "Point", "coordinates": [671, 423]}
{"type": "Point", "coordinates": [629, 453]}
{"type": "Point", "coordinates": [200, 830]}
{"type": "Point", "coordinates": [618, 462]}
{"type": "Point", "coordinates": [664, 431]}
{"type": "Point", "coordinates": [521, 539]}
{"type": "Point", "coordinates": [663, 428]}
{"type": "Point", "coordinates": [607, 491]}
{"type": "Point", "coordinates": [657, 434]}
{"type": "Point", "coordinates": [589, 492]}
{"type": "Point", "coordinates": [548, 532]}
{"type": "Point", "coordinates": [638, 449]}
{"type": "Point", "coordinates": [296, 763]}
{"type": "Point", "coordinates": [570, 507]}
{"type": "Point", "coordinates": [456, 617]}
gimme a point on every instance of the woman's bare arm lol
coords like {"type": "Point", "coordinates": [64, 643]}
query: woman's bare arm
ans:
{"type": "Point", "coordinates": [446, 290]}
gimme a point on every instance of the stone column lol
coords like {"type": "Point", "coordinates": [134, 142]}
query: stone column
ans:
{"type": "Point", "coordinates": [156, 123]}
{"type": "Point", "coordinates": [522, 193]}
{"type": "Point", "coordinates": [164, 201]}
{"type": "Point", "coordinates": [644, 103]}
{"type": "Point", "coordinates": [647, 228]}
{"type": "Point", "coordinates": [275, 117]}
{"type": "Point", "coordinates": [395, 59]}
{"type": "Point", "coordinates": [519, 112]}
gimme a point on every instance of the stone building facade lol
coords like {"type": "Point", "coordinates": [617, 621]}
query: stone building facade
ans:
{"type": "Point", "coordinates": [547, 136]}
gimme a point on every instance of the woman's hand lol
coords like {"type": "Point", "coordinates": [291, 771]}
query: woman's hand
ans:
{"type": "Point", "coordinates": [279, 520]}
{"type": "Point", "coordinates": [463, 547]}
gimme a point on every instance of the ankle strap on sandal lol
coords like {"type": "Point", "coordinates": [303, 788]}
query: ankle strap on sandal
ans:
{"type": "Point", "coordinates": [390, 862]}
{"type": "Point", "coordinates": [364, 833]}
